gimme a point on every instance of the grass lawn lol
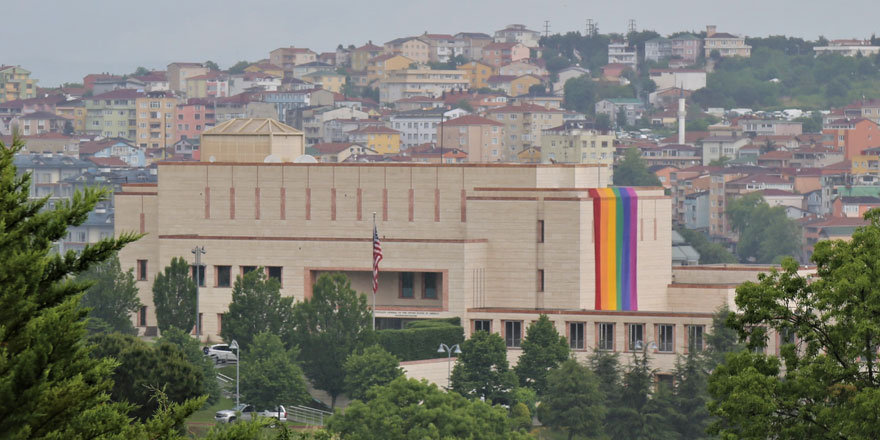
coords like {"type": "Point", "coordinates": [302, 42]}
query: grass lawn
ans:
{"type": "Point", "coordinates": [206, 415]}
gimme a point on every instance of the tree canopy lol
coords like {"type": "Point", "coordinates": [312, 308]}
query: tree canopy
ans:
{"type": "Point", "coordinates": [543, 349]}
{"type": "Point", "coordinates": [573, 402]}
{"type": "Point", "coordinates": [112, 298]}
{"type": "Point", "coordinates": [631, 171]}
{"type": "Point", "coordinates": [270, 375]}
{"type": "Point", "coordinates": [824, 382]}
{"type": "Point", "coordinates": [334, 323]}
{"type": "Point", "coordinates": [257, 306]}
{"type": "Point", "coordinates": [374, 367]}
{"type": "Point", "coordinates": [191, 349]}
{"type": "Point", "coordinates": [766, 235]}
{"type": "Point", "coordinates": [174, 295]}
{"type": "Point", "coordinates": [238, 67]}
{"type": "Point", "coordinates": [710, 253]}
{"type": "Point", "coordinates": [482, 370]}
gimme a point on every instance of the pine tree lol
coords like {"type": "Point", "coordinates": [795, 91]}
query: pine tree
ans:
{"type": "Point", "coordinates": [112, 298]}
{"type": "Point", "coordinates": [174, 294]}
{"type": "Point", "coordinates": [543, 349]}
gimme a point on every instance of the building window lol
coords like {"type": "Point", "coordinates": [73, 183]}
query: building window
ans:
{"type": "Point", "coordinates": [540, 231]}
{"type": "Point", "coordinates": [576, 335]}
{"type": "Point", "coordinates": [220, 322]}
{"type": "Point", "coordinates": [666, 338]}
{"type": "Point", "coordinates": [407, 285]}
{"type": "Point", "coordinates": [605, 336]}
{"type": "Point", "coordinates": [247, 269]}
{"type": "Point", "coordinates": [695, 337]}
{"type": "Point", "coordinates": [142, 317]}
{"type": "Point", "coordinates": [540, 287]}
{"type": "Point", "coordinates": [484, 325]}
{"type": "Point", "coordinates": [429, 280]}
{"type": "Point", "coordinates": [512, 333]}
{"type": "Point", "coordinates": [636, 337]}
{"type": "Point", "coordinates": [198, 271]}
{"type": "Point", "coordinates": [142, 270]}
{"type": "Point", "coordinates": [274, 272]}
{"type": "Point", "coordinates": [224, 275]}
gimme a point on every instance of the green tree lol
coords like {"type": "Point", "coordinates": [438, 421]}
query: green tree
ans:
{"type": "Point", "coordinates": [579, 94]}
{"type": "Point", "coordinates": [573, 402]}
{"type": "Point", "coordinates": [482, 369]}
{"type": "Point", "coordinates": [143, 369]}
{"type": "Point", "coordinates": [112, 297]}
{"type": "Point", "coordinates": [603, 122]}
{"type": "Point", "coordinates": [543, 349]}
{"type": "Point", "coordinates": [606, 366]}
{"type": "Point", "coordinates": [212, 65]}
{"type": "Point", "coordinates": [194, 354]}
{"type": "Point", "coordinates": [464, 105]}
{"type": "Point", "coordinates": [721, 340]}
{"type": "Point", "coordinates": [631, 171]}
{"type": "Point", "coordinates": [520, 417]}
{"type": "Point", "coordinates": [691, 397]}
{"type": "Point", "coordinates": [238, 67]}
{"type": "Point", "coordinates": [720, 162]}
{"type": "Point", "coordinates": [620, 118]}
{"type": "Point", "coordinates": [639, 413]}
{"type": "Point", "coordinates": [409, 409]}
{"type": "Point", "coordinates": [141, 71]}
{"type": "Point", "coordinates": [174, 294]}
{"type": "Point", "coordinates": [710, 253]}
{"type": "Point", "coordinates": [374, 367]}
{"type": "Point", "coordinates": [766, 234]}
{"type": "Point", "coordinates": [270, 375]}
{"type": "Point", "coordinates": [334, 323]}
{"type": "Point", "coordinates": [812, 123]}
{"type": "Point", "coordinates": [257, 306]}
{"type": "Point", "coordinates": [824, 383]}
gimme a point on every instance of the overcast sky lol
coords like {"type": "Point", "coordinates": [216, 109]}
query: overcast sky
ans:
{"type": "Point", "coordinates": [62, 40]}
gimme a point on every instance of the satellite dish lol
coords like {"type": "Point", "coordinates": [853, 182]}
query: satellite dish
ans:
{"type": "Point", "coordinates": [272, 159]}
{"type": "Point", "coordinates": [212, 159]}
{"type": "Point", "coordinates": [305, 158]}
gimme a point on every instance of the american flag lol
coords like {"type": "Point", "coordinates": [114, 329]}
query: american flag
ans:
{"type": "Point", "coordinates": [377, 257]}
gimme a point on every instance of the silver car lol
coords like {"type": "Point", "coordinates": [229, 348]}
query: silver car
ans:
{"type": "Point", "coordinates": [247, 412]}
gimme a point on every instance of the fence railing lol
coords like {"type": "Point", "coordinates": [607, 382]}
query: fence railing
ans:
{"type": "Point", "coordinates": [309, 416]}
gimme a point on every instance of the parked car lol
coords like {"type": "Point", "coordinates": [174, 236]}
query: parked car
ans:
{"type": "Point", "coordinates": [247, 412]}
{"type": "Point", "coordinates": [221, 353]}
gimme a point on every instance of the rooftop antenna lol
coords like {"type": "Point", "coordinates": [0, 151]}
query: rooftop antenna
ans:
{"type": "Point", "coordinates": [546, 28]}
{"type": "Point", "coordinates": [591, 28]}
{"type": "Point", "coordinates": [630, 26]}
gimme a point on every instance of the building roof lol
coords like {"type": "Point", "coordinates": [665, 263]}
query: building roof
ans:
{"type": "Point", "coordinates": [501, 78]}
{"type": "Point", "coordinates": [760, 178]}
{"type": "Point", "coordinates": [374, 129]}
{"type": "Point", "coordinates": [93, 147]}
{"type": "Point", "coordinates": [118, 94]}
{"type": "Point", "coordinates": [40, 115]}
{"type": "Point", "coordinates": [861, 200]}
{"type": "Point", "coordinates": [471, 120]}
{"type": "Point", "coordinates": [332, 147]}
{"type": "Point", "coordinates": [108, 162]}
{"type": "Point", "coordinates": [779, 193]}
{"type": "Point", "coordinates": [722, 35]}
{"type": "Point", "coordinates": [252, 126]}
{"type": "Point", "coordinates": [523, 108]}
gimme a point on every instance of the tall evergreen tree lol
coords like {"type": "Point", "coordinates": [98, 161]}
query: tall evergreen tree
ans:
{"type": "Point", "coordinates": [257, 306]}
{"type": "Point", "coordinates": [191, 348]}
{"type": "Point", "coordinates": [543, 349]}
{"type": "Point", "coordinates": [691, 397]}
{"type": "Point", "coordinates": [632, 171]}
{"type": "Point", "coordinates": [270, 374]}
{"type": "Point", "coordinates": [574, 401]}
{"type": "Point", "coordinates": [482, 370]}
{"type": "Point", "coordinates": [174, 294]}
{"type": "Point", "coordinates": [112, 298]}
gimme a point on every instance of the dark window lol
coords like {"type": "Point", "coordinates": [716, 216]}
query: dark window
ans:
{"type": "Point", "coordinates": [430, 281]}
{"type": "Point", "coordinates": [407, 285]}
{"type": "Point", "coordinates": [224, 276]}
{"type": "Point", "coordinates": [695, 337]}
{"type": "Point", "coordinates": [275, 272]}
{"type": "Point", "coordinates": [665, 380]}
{"type": "Point", "coordinates": [198, 272]}
{"type": "Point", "coordinates": [636, 337]}
{"type": "Point", "coordinates": [512, 333]}
{"type": "Point", "coordinates": [247, 269]}
{"type": "Point", "coordinates": [142, 270]}
{"type": "Point", "coordinates": [666, 336]}
{"type": "Point", "coordinates": [606, 336]}
{"type": "Point", "coordinates": [540, 231]}
{"type": "Point", "coordinates": [142, 317]}
{"type": "Point", "coordinates": [576, 335]}
{"type": "Point", "coordinates": [540, 280]}
{"type": "Point", "coordinates": [483, 325]}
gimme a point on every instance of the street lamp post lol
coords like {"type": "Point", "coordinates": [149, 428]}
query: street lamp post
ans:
{"type": "Point", "coordinates": [234, 346]}
{"type": "Point", "coordinates": [198, 252]}
{"type": "Point", "coordinates": [449, 350]}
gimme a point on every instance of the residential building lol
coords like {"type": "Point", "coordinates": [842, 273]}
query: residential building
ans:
{"type": "Point", "coordinates": [612, 107]}
{"type": "Point", "coordinates": [105, 85]}
{"type": "Point", "coordinates": [36, 123]}
{"type": "Point", "coordinates": [155, 81]}
{"type": "Point", "coordinates": [288, 57]}
{"type": "Point", "coordinates": [377, 138]}
{"type": "Point", "coordinates": [326, 79]}
{"type": "Point", "coordinates": [687, 79]}
{"type": "Point", "coordinates": [417, 127]}
{"type": "Point", "coordinates": [477, 73]}
{"type": "Point", "coordinates": [443, 47]}
{"type": "Point", "coordinates": [514, 85]}
{"type": "Point", "coordinates": [178, 73]}
{"type": "Point", "coordinates": [361, 55]}
{"type": "Point", "coordinates": [522, 67]}
{"type": "Point", "coordinates": [432, 153]}
{"type": "Point", "coordinates": [769, 127]}
{"type": "Point", "coordinates": [314, 121]}
{"type": "Point", "coordinates": [187, 148]}
{"type": "Point", "coordinates": [89, 80]}
{"type": "Point", "coordinates": [524, 124]}
{"type": "Point", "coordinates": [16, 83]}
{"type": "Point", "coordinates": [542, 99]}
{"type": "Point", "coordinates": [481, 138]}
{"type": "Point", "coordinates": [716, 147]}
{"type": "Point", "coordinates": [851, 136]}
{"type": "Point", "coordinates": [848, 48]}
{"type": "Point", "coordinates": [285, 103]}
{"type": "Point", "coordinates": [518, 33]}
{"type": "Point", "coordinates": [156, 120]}
{"type": "Point", "coordinates": [342, 58]}
{"type": "Point", "coordinates": [658, 48]}
{"type": "Point", "coordinates": [567, 74]}
{"type": "Point", "coordinates": [209, 85]}
{"type": "Point", "coordinates": [577, 142]}
{"type": "Point", "coordinates": [866, 108]}
{"type": "Point", "coordinates": [267, 68]}
{"type": "Point", "coordinates": [338, 152]}
{"type": "Point", "coordinates": [696, 210]}
{"type": "Point", "coordinates": [194, 117]}
{"type": "Point", "coordinates": [674, 155]}
{"type": "Point", "coordinates": [620, 52]}
{"type": "Point", "coordinates": [254, 82]}
{"type": "Point", "coordinates": [421, 81]}
{"type": "Point", "coordinates": [474, 43]}
{"type": "Point", "coordinates": [686, 47]}
{"type": "Point", "coordinates": [302, 70]}
{"type": "Point", "coordinates": [244, 106]}
{"type": "Point", "coordinates": [113, 114]}
{"type": "Point", "coordinates": [380, 67]}
{"type": "Point", "coordinates": [118, 148]}
{"type": "Point", "coordinates": [727, 45]}
{"type": "Point", "coordinates": [499, 54]}
{"type": "Point", "coordinates": [854, 206]}
{"type": "Point", "coordinates": [414, 48]}
{"type": "Point", "coordinates": [75, 112]}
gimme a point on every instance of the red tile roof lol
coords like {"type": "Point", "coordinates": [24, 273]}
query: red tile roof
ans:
{"type": "Point", "coordinates": [118, 94]}
{"type": "Point", "coordinates": [112, 162]}
{"type": "Point", "coordinates": [778, 192]}
{"type": "Point", "coordinates": [373, 129]}
{"type": "Point", "coordinates": [370, 47]}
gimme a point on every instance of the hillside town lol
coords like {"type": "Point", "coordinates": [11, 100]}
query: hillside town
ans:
{"type": "Point", "coordinates": [615, 190]}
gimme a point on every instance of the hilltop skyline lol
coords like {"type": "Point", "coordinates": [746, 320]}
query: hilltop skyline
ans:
{"type": "Point", "coordinates": [62, 41]}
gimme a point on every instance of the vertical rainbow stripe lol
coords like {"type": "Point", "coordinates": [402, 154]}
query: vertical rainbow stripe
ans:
{"type": "Point", "coordinates": [615, 212]}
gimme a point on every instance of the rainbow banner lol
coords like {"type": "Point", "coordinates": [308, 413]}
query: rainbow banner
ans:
{"type": "Point", "coordinates": [615, 212]}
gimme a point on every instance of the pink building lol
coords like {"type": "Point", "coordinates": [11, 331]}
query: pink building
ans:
{"type": "Point", "coordinates": [194, 117]}
{"type": "Point", "coordinates": [499, 54]}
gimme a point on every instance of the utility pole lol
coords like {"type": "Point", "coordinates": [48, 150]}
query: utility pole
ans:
{"type": "Point", "coordinates": [198, 251]}
{"type": "Point", "coordinates": [591, 28]}
{"type": "Point", "coordinates": [546, 28]}
{"type": "Point", "coordinates": [630, 26]}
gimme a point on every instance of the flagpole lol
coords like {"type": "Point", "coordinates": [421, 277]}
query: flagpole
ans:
{"type": "Point", "coordinates": [374, 290]}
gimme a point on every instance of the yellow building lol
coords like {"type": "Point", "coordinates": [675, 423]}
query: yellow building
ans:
{"type": "Point", "coordinates": [16, 83]}
{"type": "Point", "coordinates": [75, 111]}
{"type": "Point", "coordinates": [327, 80]}
{"type": "Point", "coordinates": [577, 142]}
{"type": "Point", "coordinates": [379, 68]}
{"type": "Point", "coordinates": [477, 73]}
{"type": "Point", "coordinates": [383, 140]}
{"type": "Point", "coordinates": [529, 155]}
{"type": "Point", "coordinates": [156, 120]}
{"type": "Point", "coordinates": [267, 68]}
{"type": "Point", "coordinates": [866, 163]}
{"type": "Point", "coordinates": [523, 126]}
{"type": "Point", "coordinates": [361, 55]}
{"type": "Point", "coordinates": [521, 85]}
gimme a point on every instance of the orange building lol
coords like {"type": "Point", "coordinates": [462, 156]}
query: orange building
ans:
{"type": "Point", "coordinates": [851, 136]}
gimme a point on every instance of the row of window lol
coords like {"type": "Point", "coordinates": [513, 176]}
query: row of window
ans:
{"type": "Point", "coordinates": [222, 274]}
{"type": "Point", "coordinates": [605, 335]}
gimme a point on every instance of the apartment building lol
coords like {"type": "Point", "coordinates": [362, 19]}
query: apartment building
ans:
{"type": "Point", "coordinates": [156, 119]}
{"type": "Point", "coordinates": [16, 83]}
{"type": "Point", "coordinates": [727, 45]}
{"type": "Point", "coordinates": [288, 57]}
{"type": "Point", "coordinates": [414, 48]}
{"type": "Point", "coordinates": [524, 124]}
{"type": "Point", "coordinates": [113, 114]}
{"type": "Point", "coordinates": [178, 73]}
{"type": "Point", "coordinates": [408, 83]}
{"type": "Point", "coordinates": [577, 142]}
{"type": "Point", "coordinates": [481, 138]}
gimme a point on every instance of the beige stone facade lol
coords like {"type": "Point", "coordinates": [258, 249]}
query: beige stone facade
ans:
{"type": "Point", "coordinates": [252, 140]}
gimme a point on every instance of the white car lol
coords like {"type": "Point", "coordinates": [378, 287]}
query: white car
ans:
{"type": "Point", "coordinates": [247, 412]}
{"type": "Point", "coordinates": [221, 353]}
